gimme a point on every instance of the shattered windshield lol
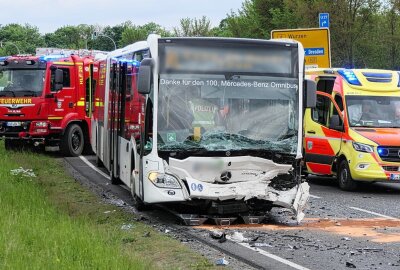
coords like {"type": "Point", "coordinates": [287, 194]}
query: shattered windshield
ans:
{"type": "Point", "coordinates": [21, 82]}
{"type": "Point", "coordinates": [214, 113]}
{"type": "Point", "coordinates": [373, 111]}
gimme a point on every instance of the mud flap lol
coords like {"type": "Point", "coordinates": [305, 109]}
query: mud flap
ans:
{"type": "Point", "coordinates": [300, 201]}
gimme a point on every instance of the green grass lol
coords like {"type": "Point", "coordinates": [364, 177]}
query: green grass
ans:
{"type": "Point", "coordinates": [52, 222]}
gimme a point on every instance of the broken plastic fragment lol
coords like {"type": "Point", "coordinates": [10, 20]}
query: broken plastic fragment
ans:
{"type": "Point", "coordinates": [23, 172]}
{"type": "Point", "coordinates": [237, 237]}
{"type": "Point", "coordinates": [221, 261]}
{"type": "Point", "coordinates": [126, 227]}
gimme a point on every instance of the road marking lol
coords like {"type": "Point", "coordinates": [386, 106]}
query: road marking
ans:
{"type": "Point", "coordinates": [94, 167]}
{"type": "Point", "coordinates": [372, 213]}
{"type": "Point", "coordinates": [274, 257]}
{"type": "Point", "coordinates": [315, 197]}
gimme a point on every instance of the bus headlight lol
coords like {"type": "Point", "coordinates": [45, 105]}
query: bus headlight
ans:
{"type": "Point", "coordinates": [163, 180]}
{"type": "Point", "coordinates": [363, 147]}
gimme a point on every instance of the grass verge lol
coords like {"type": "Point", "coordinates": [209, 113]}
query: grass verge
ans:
{"type": "Point", "coordinates": [52, 222]}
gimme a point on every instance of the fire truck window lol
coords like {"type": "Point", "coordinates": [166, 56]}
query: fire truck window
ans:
{"type": "Point", "coordinates": [66, 75]}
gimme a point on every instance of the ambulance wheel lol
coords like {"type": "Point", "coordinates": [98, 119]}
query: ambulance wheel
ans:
{"type": "Point", "coordinates": [345, 180]}
{"type": "Point", "coordinates": [73, 142]}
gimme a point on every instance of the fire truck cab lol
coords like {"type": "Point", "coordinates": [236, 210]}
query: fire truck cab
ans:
{"type": "Point", "coordinates": [47, 99]}
{"type": "Point", "coordinates": [354, 131]}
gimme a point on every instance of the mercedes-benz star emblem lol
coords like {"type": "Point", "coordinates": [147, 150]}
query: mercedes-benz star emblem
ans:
{"type": "Point", "coordinates": [226, 176]}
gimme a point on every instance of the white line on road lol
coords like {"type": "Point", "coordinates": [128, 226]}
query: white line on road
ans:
{"type": "Point", "coordinates": [372, 213]}
{"type": "Point", "coordinates": [315, 197]}
{"type": "Point", "coordinates": [274, 257]}
{"type": "Point", "coordinates": [94, 167]}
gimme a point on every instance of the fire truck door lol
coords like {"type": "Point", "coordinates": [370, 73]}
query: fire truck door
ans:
{"type": "Point", "coordinates": [64, 99]}
{"type": "Point", "coordinates": [323, 135]}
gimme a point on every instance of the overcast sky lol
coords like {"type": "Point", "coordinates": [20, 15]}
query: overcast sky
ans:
{"type": "Point", "coordinates": [49, 15]}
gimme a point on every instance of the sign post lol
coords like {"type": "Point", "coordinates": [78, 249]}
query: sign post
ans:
{"type": "Point", "coordinates": [324, 20]}
{"type": "Point", "coordinates": [316, 43]}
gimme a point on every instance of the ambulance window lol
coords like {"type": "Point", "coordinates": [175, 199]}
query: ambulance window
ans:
{"type": "Point", "coordinates": [339, 102]}
{"type": "Point", "coordinates": [321, 110]}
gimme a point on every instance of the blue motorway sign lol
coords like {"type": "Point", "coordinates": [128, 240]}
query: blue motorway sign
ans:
{"type": "Point", "coordinates": [324, 20]}
{"type": "Point", "coordinates": [314, 51]}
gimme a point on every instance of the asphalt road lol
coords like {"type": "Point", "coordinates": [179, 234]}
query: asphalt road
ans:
{"type": "Point", "coordinates": [342, 230]}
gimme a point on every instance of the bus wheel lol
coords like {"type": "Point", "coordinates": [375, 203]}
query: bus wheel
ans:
{"type": "Point", "coordinates": [114, 180]}
{"type": "Point", "coordinates": [345, 180]}
{"type": "Point", "coordinates": [99, 163]}
{"type": "Point", "coordinates": [137, 202]}
{"type": "Point", "coordinates": [73, 141]}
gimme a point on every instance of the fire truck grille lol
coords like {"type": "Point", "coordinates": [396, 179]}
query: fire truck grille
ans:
{"type": "Point", "coordinates": [389, 153]}
{"type": "Point", "coordinates": [12, 130]}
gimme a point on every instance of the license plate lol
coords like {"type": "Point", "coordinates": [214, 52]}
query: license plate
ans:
{"type": "Point", "coordinates": [394, 176]}
{"type": "Point", "coordinates": [14, 124]}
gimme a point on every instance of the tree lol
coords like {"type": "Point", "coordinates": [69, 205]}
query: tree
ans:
{"type": "Point", "coordinates": [193, 27]}
{"type": "Point", "coordinates": [135, 33]}
{"type": "Point", "coordinates": [25, 37]}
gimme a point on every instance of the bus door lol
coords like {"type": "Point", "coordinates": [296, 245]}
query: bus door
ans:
{"type": "Point", "coordinates": [113, 115]}
{"type": "Point", "coordinates": [323, 133]}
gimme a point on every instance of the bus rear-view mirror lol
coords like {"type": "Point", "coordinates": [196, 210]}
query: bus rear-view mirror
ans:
{"type": "Point", "coordinates": [145, 76]}
{"type": "Point", "coordinates": [310, 94]}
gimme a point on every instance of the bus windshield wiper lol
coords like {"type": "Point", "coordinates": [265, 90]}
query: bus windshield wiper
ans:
{"type": "Point", "coordinates": [6, 91]}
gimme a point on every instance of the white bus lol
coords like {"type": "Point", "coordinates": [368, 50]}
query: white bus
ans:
{"type": "Point", "coordinates": [220, 128]}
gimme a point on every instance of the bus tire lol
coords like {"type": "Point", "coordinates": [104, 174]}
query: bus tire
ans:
{"type": "Point", "coordinates": [99, 163]}
{"type": "Point", "coordinates": [114, 180]}
{"type": "Point", "coordinates": [344, 178]}
{"type": "Point", "coordinates": [73, 141]}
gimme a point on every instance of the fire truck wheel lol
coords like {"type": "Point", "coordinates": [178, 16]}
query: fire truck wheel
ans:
{"type": "Point", "coordinates": [73, 141]}
{"type": "Point", "coordinates": [345, 180]}
{"type": "Point", "coordinates": [12, 145]}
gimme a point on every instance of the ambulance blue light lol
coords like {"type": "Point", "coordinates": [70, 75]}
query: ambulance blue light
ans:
{"type": "Point", "coordinates": [349, 76]}
{"type": "Point", "coordinates": [383, 152]}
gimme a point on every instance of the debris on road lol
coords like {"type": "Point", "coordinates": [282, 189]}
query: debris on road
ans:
{"type": "Point", "coordinates": [350, 265]}
{"type": "Point", "coordinates": [346, 238]}
{"type": "Point", "coordinates": [216, 234]}
{"type": "Point", "coordinates": [23, 172]}
{"type": "Point", "coordinates": [117, 202]}
{"type": "Point", "coordinates": [370, 249]}
{"type": "Point", "coordinates": [167, 231]}
{"type": "Point", "coordinates": [126, 227]}
{"type": "Point", "coordinates": [260, 245]}
{"type": "Point", "coordinates": [221, 261]}
{"type": "Point", "coordinates": [237, 237]}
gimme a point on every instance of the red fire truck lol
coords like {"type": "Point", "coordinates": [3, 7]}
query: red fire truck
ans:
{"type": "Point", "coordinates": [47, 99]}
